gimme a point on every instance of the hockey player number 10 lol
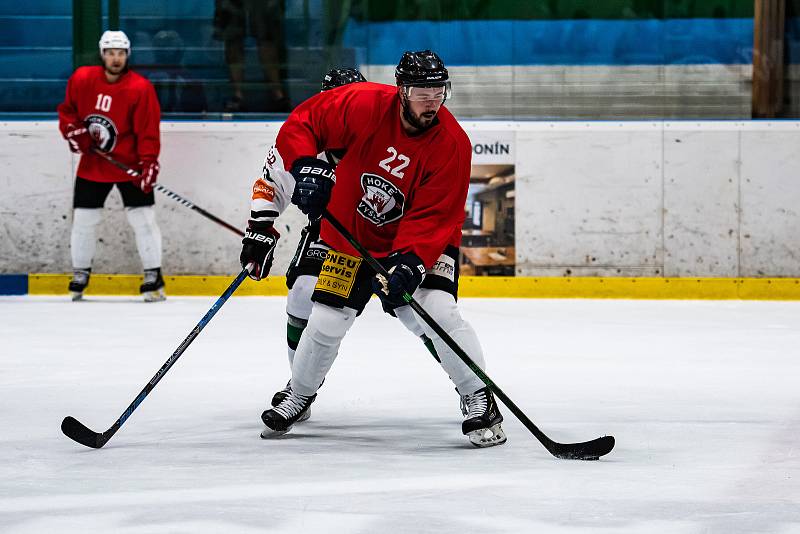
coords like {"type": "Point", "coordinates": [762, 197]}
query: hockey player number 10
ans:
{"type": "Point", "coordinates": [103, 102]}
{"type": "Point", "coordinates": [384, 164]}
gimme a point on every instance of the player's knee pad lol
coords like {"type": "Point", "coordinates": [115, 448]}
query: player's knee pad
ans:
{"type": "Point", "coordinates": [298, 302]}
{"type": "Point", "coordinates": [83, 239]}
{"type": "Point", "coordinates": [148, 235]}
{"type": "Point", "coordinates": [86, 218]}
{"type": "Point", "coordinates": [142, 218]}
{"type": "Point", "coordinates": [442, 307]}
{"type": "Point", "coordinates": [319, 346]}
{"type": "Point", "coordinates": [328, 325]}
{"type": "Point", "coordinates": [409, 320]}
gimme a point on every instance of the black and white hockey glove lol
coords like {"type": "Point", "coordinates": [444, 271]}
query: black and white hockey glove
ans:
{"type": "Point", "coordinates": [406, 273]}
{"type": "Point", "coordinates": [258, 247]}
{"type": "Point", "coordinates": [314, 180]}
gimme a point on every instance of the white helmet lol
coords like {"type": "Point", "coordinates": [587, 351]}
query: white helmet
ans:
{"type": "Point", "coordinates": [114, 39]}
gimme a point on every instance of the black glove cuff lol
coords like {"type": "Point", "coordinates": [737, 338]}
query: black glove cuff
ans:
{"type": "Point", "coordinates": [260, 225]}
{"type": "Point", "coordinates": [260, 232]}
{"type": "Point", "coordinates": [407, 258]}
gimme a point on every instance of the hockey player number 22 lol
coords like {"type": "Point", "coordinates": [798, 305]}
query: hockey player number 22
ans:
{"type": "Point", "coordinates": [103, 102]}
{"type": "Point", "coordinates": [384, 164]}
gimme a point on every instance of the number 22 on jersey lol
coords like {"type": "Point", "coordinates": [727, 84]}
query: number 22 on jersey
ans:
{"type": "Point", "coordinates": [103, 102]}
{"type": "Point", "coordinates": [395, 170]}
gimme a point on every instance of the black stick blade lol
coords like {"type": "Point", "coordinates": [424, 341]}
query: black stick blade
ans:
{"type": "Point", "coordinates": [589, 450]}
{"type": "Point", "coordinates": [77, 431]}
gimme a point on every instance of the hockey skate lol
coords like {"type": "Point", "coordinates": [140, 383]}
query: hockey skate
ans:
{"type": "Point", "coordinates": [278, 397]}
{"type": "Point", "coordinates": [281, 418]}
{"type": "Point", "coordinates": [282, 394]}
{"type": "Point", "coordinates": [482, 419]}
{"type": "Point", "coordinates": [152, 289]}
{"type": "Point", "coordinates": [80, 279]}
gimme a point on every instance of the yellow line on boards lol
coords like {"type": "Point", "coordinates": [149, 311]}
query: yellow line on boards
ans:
{"type": "Point", "coordinates": [182, 285]}
{"type": "Point", "coordinates": [469, 286]}
{"type": "Point", "coordinates": [632, 288]}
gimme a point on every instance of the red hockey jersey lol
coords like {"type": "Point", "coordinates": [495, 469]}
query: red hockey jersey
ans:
{"type": "Point", "coordinates": [394, 191]}
{"type": "Point", "coordinates": [123, 119]}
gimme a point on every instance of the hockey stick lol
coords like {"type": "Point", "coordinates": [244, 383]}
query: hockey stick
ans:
{"type": "Point", "coordinates": [170, 193]}
{"type": "Point", "coordinates": [79, 432]}
{"type": "Point", "coordinates": [588, 450]}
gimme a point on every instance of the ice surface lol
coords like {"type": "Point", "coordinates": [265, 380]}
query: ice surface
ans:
{"type": "Point", "coordinates": [702, 398]}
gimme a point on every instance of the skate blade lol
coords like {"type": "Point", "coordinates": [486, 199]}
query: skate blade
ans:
{"type": "Point", "coordinates": [76, 296]}
{"type": "Point", "coordinates": [268, 433]}
{"type": "Point", "coordinates": [154, 296]}
{"type": "Point", "coordinates": [487, 437]}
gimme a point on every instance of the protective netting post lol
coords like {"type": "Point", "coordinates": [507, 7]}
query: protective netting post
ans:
{"type": "Point", "coordinates": [768, 32]}
{"type": "Point", "coordinates": [87, 20]}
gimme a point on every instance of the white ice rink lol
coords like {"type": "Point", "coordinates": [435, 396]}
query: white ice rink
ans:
{"type": "Point", "coordinates": [702, 397]}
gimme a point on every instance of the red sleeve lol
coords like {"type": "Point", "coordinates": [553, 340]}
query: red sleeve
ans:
{"type": "Point", "coordinates": [327, 120]}
{"type": "Point", "coordinates": [68, 109]}
{"type": "Point", "coordinates": [146, 119]}
{"type": "Point", "coordinates": [437, 209]}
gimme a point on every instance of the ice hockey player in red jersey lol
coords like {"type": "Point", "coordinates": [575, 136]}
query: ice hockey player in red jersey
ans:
{"type": "Point", "coordinates": [115, 110]}
{"type": "Point", "coordinates": [400, 189]}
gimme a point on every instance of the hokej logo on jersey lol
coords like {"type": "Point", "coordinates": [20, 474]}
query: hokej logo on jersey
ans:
{"type": "Point", "coordinates": [382, 202]}
{"type": "Point", "coordinates": [103, 132]}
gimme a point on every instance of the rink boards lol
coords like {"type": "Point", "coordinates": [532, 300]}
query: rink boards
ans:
{"type": "Point", "coordinates": [597, 204]}
{"type": "Point", "coordinates": [469, 286]}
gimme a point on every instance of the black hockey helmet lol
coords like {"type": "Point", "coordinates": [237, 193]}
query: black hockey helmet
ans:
{"type": "Point", "coordinates": [338, 77]}
{"type": "Point", "coordinates": [421, 69]}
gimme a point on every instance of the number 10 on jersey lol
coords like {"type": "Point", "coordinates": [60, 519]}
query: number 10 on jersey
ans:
{"type": "Point", "coordinates": [103, 102]}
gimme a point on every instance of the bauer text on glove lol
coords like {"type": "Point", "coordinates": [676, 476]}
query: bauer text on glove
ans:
{"type": "Point", "coordinates": [314, 181]}
{"type": "Point", "coordinates": [258, 247]}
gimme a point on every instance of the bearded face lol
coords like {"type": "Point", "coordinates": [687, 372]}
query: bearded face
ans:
{"type": "Point", "coordinates": [421, 104]}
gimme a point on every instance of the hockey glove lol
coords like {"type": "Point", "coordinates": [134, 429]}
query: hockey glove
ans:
{"type": "Point", "coordinates": [406, 273]}
{"type": "Point", "coordinates": [258, 247]}
{"type": "Point", "coordinates": [148, 175]}
{"type": "Point", "coordinates": [314, 181]}
{"type": "Point", "coordinates": [80, 142]}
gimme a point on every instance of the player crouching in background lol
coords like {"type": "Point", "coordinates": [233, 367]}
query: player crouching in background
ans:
{"type": "Point", "coordinates": [115, 110]}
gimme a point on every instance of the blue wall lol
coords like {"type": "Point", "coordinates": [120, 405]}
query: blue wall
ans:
{"type": "Point", "coordinates": [561, 42]}
{"type": "Point", "coordinates": [35, 52]}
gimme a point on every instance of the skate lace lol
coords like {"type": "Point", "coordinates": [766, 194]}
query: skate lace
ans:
{"type": "Point", "coordinates": [80, 277]}
{"type": "Point", "coordinates": [150, 277]}
{"type": "Point", "coordinates": [474, 404]}
{"type": "Point", "coordinates": [292, 405]}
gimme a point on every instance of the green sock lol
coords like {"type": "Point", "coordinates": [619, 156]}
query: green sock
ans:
{"type": "Point", "coordinates": [429, 345]}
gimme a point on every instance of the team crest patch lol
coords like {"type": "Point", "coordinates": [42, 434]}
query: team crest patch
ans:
{"type": "Point", "coordinates": [103, 132]}
{"type": "Point", "coordinates": [382, 202]}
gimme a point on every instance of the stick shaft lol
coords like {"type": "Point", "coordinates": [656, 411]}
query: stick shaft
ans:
{"type": "Point", "coordinates": [170, 193]}
{"type": "Point", "coordinates": [546, 441]}
{"type": "Point", "coordinates": [80, 433]}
